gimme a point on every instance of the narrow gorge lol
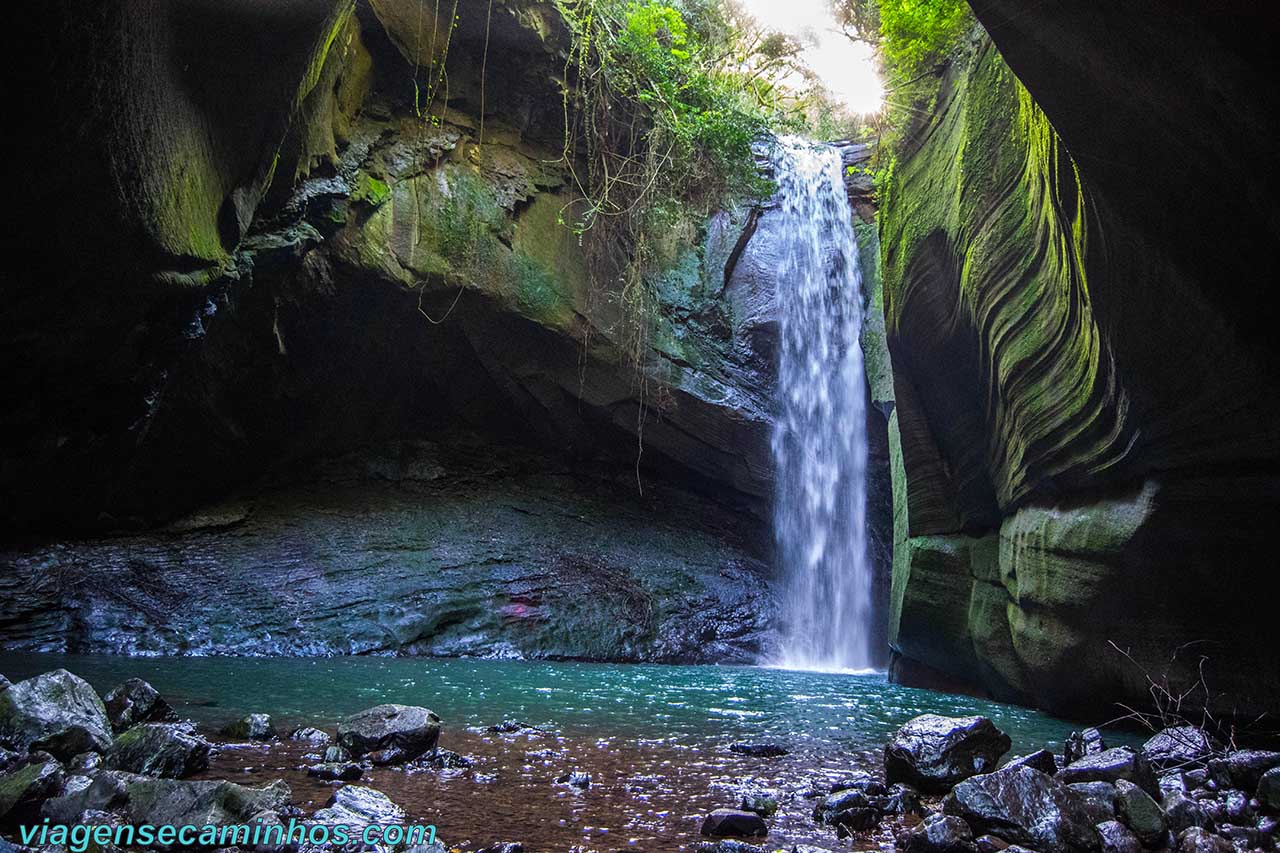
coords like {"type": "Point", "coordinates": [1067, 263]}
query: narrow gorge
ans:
{"type": "Point", "coordinates": [683, 400]}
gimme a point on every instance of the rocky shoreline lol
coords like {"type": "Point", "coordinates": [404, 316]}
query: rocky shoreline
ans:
{"type": "Point", "coordinates": [68, 756]}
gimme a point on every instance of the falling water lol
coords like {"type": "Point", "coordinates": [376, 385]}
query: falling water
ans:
{"type": "Point", "coordinates": [820, 442]}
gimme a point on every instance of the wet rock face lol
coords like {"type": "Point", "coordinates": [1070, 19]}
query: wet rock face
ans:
{"type": "Point", "coordinates": [1054, 472]}
{"type": "Point", "coordinates": [497, 545]}
{"type": "Point", "coordinates": [22, 791]}
{"type": "Point", "coordinates": [57, 712]}
{"type": "Point", "coordinates": [1027, 807]}
{"type": "Point", "coordinates": [933, 753]}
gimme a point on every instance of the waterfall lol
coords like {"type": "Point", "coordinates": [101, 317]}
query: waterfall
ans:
{"type": "Point", "coordinates": [820, 441]}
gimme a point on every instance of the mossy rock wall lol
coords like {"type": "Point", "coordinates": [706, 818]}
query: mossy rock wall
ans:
{"type": "Point", "coordinates": [1082, 452]}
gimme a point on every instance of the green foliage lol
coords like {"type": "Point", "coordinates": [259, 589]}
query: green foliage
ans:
{"type": "Point", "coordinates": [915, 35]}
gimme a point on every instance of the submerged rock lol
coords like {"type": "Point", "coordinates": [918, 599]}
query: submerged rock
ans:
{"type": "Point", "coordinates": [1110, 766]}
{"type": "Point", "coordinates": [22, 791]}
{"type": "Point", "coordinates": [575, 779]}
{"type": "Point", "coordinates": [1179, 747]}
{"type": "Point", "coordinates": [733, 822]}
{"type": "Point", "coordinates": [158, 749]}
{"type": "Point", "coordinates": [251, 727]}
{"type": "Point", "coordinates": [409, 729]}
{"type": "Point", "coordinates": [933, 752]}
{"type": "Point", "coordinates": [136, 701]}
{"type": "Point", "coordinates": [941, 833]}
{"type": "Point", "coordinates": [759, 750]}
{"type": "Point", "coordinates": [57, 712]}
{"type": "Point", "coordinates": [1025, 806]}
{"type": "Point", "coordinates": [765, 805]}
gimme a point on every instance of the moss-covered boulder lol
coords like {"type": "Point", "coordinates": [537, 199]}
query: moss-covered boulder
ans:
{"type": "Point", "coordinates": [56, 712]}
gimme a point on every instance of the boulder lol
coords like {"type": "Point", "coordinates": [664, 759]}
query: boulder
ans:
{"type": "Point", "coordinates": [1111, 765]}
{"type": "Point", "coordinates": [251, 727]}
{"type": "Point", "coordinates": [849, 800]}
{"type": "Point", "coordinates": [1025, 806]}
{"type": "Point", "coordinates": [861, 781]}
{"type": "Point", "coordinates": [1197, 840]}
{"type": "Point", "coordinates": [1241, 769]}
{"type": "Point", "coordinates": [334, 753]}
{"type": "Point", "coordinates": [899, 799]}
{"type": "Point", "coordinates": [1179, 747]}
{"type": "Point", "coordinates": [200, 802]}
{"type": "Point", "coordinates": [158, 749]}
{"type": "Point", "coordinates": [1139, 812]}
{"type": "Point", "coordinates": [57, 712]}
{"type": "Point", "coordinates": [407, 728]}
{"type": "Point", "coordinates": [933, 752]}
{"type": "Point", "coordinates": [990, 844]}
{"type": "Point", "coordinates": [1269, 790]}
{"type": "Point", "coordinates": [1080, 744]}
{"type": "Point", "coordinates": [940, 833]}
{"type": "Point", "coordinates": [107, 792]}
{"type": "Point", "coordinates": [1117, 838]}
{"type": "Point", "coordinates": [311, 735]}
{"type": "Point", "coordinates": [357, 806]}
{"type": "Point", "coordinates": [135, 701]}
{"type": "Point", "coordinates": [759, 750]}
{"type": "Point", "coordinates": [1100, 797]}
{"type": "Point", "coordinates": [1041, 759]}
{"type": "Point", "coordinates": [1182, 812]}
{"type": "Point", "coordinates": [733, 822]}
{"type": "Point", "coordinates": [24, 790]}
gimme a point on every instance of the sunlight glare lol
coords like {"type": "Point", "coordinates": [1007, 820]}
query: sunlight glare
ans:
{"type": "Point", "coordinates": [846, 68]}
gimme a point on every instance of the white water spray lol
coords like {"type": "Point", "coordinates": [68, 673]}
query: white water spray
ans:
{"type": "Point", "coordinates": [820, 441]}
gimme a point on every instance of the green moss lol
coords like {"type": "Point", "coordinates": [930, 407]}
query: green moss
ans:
{"type": "Point", "coordinates": [370, 191]}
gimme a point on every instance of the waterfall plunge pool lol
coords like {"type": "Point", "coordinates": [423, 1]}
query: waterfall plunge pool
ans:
{"type": "Point", "coordinates": [654, 738]}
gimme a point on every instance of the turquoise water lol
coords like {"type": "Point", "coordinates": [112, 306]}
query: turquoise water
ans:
{"type": "Point", "coordinates": [690, 704]}
{"type": "Point", "coordinates": [653, 738]}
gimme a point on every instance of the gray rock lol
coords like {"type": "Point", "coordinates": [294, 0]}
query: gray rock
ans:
{"type": "Point", "coordinates": [357, 806]}
{"type": "Point", "coordinates": [864, 782]}
{"type": "Point", "coordinates": [1179, 747]}
{"type": "Point", "coordinates": [1118, 838]}
{"type": "Point", "coordinates": [1268, 793]}
{"type": "Point", "coordinates": [847, 800]}
{"type": "Point", "coordinates": [1025, 806]}
{"type": "Point", "coordinates": [733, 822]}
{"type": "Point", "coordinates": [933, 752]}
{"type": "Point", "coordinates": [1243, 769]}
{"type": "Point", "coordinates": [85, 762]}
{"type": "Point", "coordinates": [411, 730]}
{"type": "Point", "coordinates": [336, 771]}
{"type": "Point", "coordinates": [1100, 797]}
{"type": "Point", "coordinates": [158, 749]}
{"type": "Point", "coordinates": [1170, 781]}
{"type": "Point", "coordinates": [1111, 765]}
{"type": "Point", "coordinates": [759, 750]}
{"type": "Point", "coordinates": [9, 759]}
{"type": "Point", "coordinates": [107, 792]}
{"type": "Point", "coordinates": [57, 712]}
{"type": "Point", "coordinates": [1238, 809]}
{"type": "Point", "coordinates": [1139, 812]}
{"type": "Point", "coordinates": [251, 727]}
{"type": "Point", "coordinates": [899, 799]}
{"type": "Point", "coordinates": [1197, 840]}
{"type": "Point", "coordinates": [1041, 759]}
{"type": "Point", "coordinates": [135, 701]}
{"type": "Point", "coordinates": [1080, 744]}
{"type": "Point", "coordinates": [1182, 812]}
{"type": "Point", "coordinates": [22, 791]}
{"type": "Point", "coordinates": [940, 833]}
{"type": "Point", "coordinates": [335, 753]}
{"type": "Point", "coordinates": [4, 683]}
{"type": "Point", "coordinates": [503, 847]}
{"type": "Point", "coordinates": [310, 734]}
{"type": "Point", "coordinates": [200, 802]}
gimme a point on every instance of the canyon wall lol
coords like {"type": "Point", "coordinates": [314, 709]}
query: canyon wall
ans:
{"type": "Point", "coordinates": [1084, 439]}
